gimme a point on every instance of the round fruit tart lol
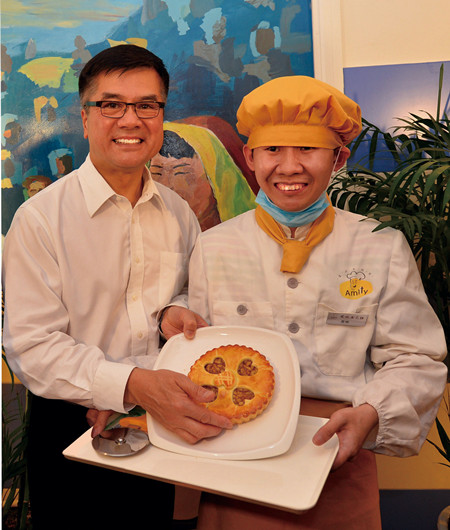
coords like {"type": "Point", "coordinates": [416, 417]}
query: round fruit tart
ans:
{"type": "Point", "coordinates": [242, 379]}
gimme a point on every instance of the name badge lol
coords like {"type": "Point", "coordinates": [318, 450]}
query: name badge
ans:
{"type": "Point", "coordinates": [347, 319]}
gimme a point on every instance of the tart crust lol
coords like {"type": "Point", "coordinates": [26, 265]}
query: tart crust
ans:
{"type": "Point", "coordinates": [242, 378]}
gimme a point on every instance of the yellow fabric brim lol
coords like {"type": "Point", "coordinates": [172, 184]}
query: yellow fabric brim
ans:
{"type": "Point", "coordinates": [298, 135]}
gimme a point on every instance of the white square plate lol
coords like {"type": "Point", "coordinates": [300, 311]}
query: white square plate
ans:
{"type": "Point", "coordinates": [268, 435]}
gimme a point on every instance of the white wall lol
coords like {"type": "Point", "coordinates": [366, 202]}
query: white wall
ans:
{"type": "Point", "coordinates": [379, 32]}
{"type": "Point", "coordinates": [351, 33]}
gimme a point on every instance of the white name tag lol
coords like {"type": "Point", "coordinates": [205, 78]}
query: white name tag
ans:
{"type": "Point", "coordinates": [347, 319]}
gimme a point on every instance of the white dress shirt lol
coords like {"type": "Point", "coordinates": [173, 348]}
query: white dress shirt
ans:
{"type": "Point", "coordinates": [85, 274]}
{"type": "Point", "coordinates": [357, 315]}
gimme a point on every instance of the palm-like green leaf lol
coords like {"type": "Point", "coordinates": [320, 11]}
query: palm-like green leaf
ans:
{"type": "Point", "coordinates": [444, 438]}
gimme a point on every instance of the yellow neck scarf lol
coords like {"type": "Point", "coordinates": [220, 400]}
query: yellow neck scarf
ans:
{"type": "Point", "coordinates": [296, 253]}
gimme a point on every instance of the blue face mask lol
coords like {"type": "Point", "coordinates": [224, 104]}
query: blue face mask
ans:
{"type": "Point", "coordinates": [293, 219]}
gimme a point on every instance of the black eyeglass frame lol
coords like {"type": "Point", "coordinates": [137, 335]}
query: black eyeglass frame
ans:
{"type": "Point", "coordinates": [99, 104]}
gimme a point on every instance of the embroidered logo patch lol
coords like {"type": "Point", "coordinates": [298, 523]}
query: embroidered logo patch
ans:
{"type": "Point", "coordinates": [356, 285]}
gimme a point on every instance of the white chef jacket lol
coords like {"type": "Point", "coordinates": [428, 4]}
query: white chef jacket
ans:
{"type": "Point", "coordinates": [85, 274]}
{"type": "Point", "coordinates": [356, 313]}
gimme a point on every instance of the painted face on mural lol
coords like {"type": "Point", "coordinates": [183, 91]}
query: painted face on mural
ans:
{"type": "Point", "coordinates": [294, 177]}
{"type": "Point", "coordinates": [187, 177]}
{"type": "Point", "coordinates": [35, 187]}
{"type": "Point", "coordinates": [120, 147]}
{"type": "Point", "coordinates": [34, 184]}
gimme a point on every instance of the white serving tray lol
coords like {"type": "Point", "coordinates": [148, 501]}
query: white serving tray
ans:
{"type": "Point", "coordinates": [292, 481]}
{"type": "Point", "coordinates": [268, 435]}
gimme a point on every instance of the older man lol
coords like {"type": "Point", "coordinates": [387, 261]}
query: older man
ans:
{"type": "Point", "coordinates": [88, 263]}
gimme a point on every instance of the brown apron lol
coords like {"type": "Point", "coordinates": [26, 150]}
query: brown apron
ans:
{"type": "Point", "coordinates": [349, 499]}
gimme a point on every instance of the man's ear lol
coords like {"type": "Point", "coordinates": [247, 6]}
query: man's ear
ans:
{"type": "Point", "coordinates": [343, 155]}
{"type": "Point", "coordinates": [248, 155]}
{"type": "Point", "coordinates": [84, 120]}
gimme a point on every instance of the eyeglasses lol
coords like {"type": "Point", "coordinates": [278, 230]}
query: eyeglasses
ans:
{"type": "Point", "coordinates": [117, 109]}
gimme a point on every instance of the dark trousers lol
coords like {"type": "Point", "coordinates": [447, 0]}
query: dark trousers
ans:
{"type": "Point", "coordinates": [68, 495]}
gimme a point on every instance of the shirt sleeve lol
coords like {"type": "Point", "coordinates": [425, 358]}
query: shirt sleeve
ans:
{"type": "Point", "coordinates": [408, 347]}
{"type": "Point", "coordinates": [37, 340]}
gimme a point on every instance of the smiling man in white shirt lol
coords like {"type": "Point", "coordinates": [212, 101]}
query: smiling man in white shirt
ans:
{"type": "Point", "coordinates": [88, 263]}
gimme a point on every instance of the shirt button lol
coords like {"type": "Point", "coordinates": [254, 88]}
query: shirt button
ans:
{"type": "Point", "coordinates": [137, 260]}
{"type": "Point", "coordinates": [293, 327]}
{"type": "Point", "coordinates": [140, 335]}
{"type": "Point", "coordinates": [292, 283]}
{"type": "Point", "coordinates": [134, 297]}
{"type": "Point", "coordinates": [241, 309]}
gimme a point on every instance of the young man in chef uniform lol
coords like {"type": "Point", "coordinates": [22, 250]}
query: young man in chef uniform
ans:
{"type": "Point", "coordinates": [351, 300]}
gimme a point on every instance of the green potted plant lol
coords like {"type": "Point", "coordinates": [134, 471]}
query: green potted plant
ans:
{"type": "Point", "coordinates": [413, 197]}
{"type": "Point", "coordinates": [15, 421]}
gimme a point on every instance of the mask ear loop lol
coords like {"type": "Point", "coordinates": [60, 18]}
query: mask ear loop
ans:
{"type": "Point", "coordinates": [333, 172]}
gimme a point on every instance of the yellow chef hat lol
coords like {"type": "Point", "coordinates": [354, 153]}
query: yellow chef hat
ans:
{"type": "Point", "coordinates": [298, 111]}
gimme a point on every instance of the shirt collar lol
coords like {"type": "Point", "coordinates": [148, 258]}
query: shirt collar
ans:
{"type": "Point", "coordinates": [149, 190]}
{"type": "Point", "coordinates": [97, 191]}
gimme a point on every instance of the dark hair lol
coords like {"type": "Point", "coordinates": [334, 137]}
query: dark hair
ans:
{"type": "Point", "coordinates": [123, 58]}
{"type": "Point", "coordinates": [175, 146]}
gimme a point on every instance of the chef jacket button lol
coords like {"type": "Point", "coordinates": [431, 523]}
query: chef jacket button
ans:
{"type": "Point", "coordinates": [241, 309]}
{"type": "Point", "coordinates": [293, 327]}
{"type": "Point", "coordinates": [292, 283]}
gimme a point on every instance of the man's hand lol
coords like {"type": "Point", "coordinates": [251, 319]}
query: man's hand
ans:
{"type": "Point", "coordinates": [98, 420]}
{"type": "Point", "coordinates": [173, 400]}
{"type": "Point", "coordinates": [352, 426]}
{"type": "Point", "coordinates": [178, 319]}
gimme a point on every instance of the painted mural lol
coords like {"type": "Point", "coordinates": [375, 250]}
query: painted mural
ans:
{"type": "Point", "coordinates": [216, 52]}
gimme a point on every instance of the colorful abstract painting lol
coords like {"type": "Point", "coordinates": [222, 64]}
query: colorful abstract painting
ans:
{"type": "Point", "coordinates": [216, 51]}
